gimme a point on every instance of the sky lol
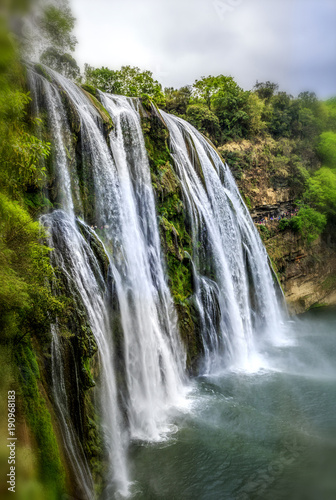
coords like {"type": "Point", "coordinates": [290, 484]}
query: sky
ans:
{"type": "Point", "coordinates": [289, 42]}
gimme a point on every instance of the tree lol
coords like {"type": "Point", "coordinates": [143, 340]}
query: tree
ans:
{"type": "Point", "coordinates": [231, 108]}
{"type": "Point", "coordinates": [281, 118]}
{"type": "Point", "coordinates": [308, 100]}
{"type": "Point", "coordinates": [63, 63]}
{"type": "Point", "coordinates": [326, 149]}
{"type": "Point", "coordinates": [309, 224]}
{"type": "Point", "coordinates": [266, 90]}
{"type": "Point", "coordinates": [204, 120]}
{"type": "Point", "coordinates": [207, 87]}
{"type": "Point", "coordinates": [255, 107]}
{"type": "Point", "coordinates": [177, 100]}
{"type": "Point", "coordinates": [129, 81]}
{"type": "Point", "coordinates": [330, 109]}
{"type": "Point", "coordinates": [56, 25]}
{"type": "Point", "coordinates": [227, 100]}
{"type": "Point", "coordinates": [321, 191]}
{"type": "Point", "coordinates": [313, 115]}
{"type": "Point", "coordinates": [101, 78]}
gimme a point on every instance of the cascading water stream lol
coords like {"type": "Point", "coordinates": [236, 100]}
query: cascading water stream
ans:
{"type": "Point", "coordinates": [73, 255]}
{"type": "Point", "coordinates": [230, 262]}
{"type": "Point", "coordinates": [71, 442]}
{"type": "Point", "coordinates": [267, 294]}
{"type": "Point", "coordinates": [125, 208]}
{"type": "Point", "coordinates": [154, 358]}
{"type": "Point", "coordinates": [66, 239]}
{"type": "Point", "coordinates": [125, 212]}
{"type": "Point", "coordinates": [60, 132]}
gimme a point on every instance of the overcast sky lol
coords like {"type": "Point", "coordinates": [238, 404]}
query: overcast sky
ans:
{"type": "Point", "coordinates": [291, 42]}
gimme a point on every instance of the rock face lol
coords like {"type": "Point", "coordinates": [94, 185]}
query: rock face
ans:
{"type": "Point", "coordinates": [270, 179]}
{"type": "Point", "coordinates": [264, 183]}
{"type": "Point", "coordinates": [270, 183]}
{"type": "Point", "coordinates": [308, 275]}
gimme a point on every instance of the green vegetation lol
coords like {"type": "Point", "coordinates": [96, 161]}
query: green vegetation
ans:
{"type": "Point", "coordinates": [25, 298]}
{"type": "Point", "coordinates": [27, 305]}
{"type": "Point", "coordinates": [329, 283]}
{"type": "Point", "coordinates": [308, 223]}
{"type": "Point", "coordinates": [218, 107]}
{"type": "Point", "coordinates": [204, 120]}
{"type": "Point", "coordinates": [129, 81]}
{"type": "Point", "coordinates": [267, 233]}
{"type": "Point", "coordinates": [177, 101]}
{"type": "Point", "coordinates": [38, 417]}
{"type": "Point", "coordinates": [321, 191]}
{"type": "Point", "coordinates": [62, 63]}
{"type": "Point", "coordinates": [326, 149]}
{"type": "Point", "coordinates": [55, 25]}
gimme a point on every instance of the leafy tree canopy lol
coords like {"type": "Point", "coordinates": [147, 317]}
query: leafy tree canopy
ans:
{"type": "Point", "coordinates": [57, 24]}
{"type": "Point", "coordinates": [177, 100]}
{"type": "Point", "coordinates": [330, 109]}
{"type": "Point", "coordinates": [309, 223]}
{"type": "Point", "coordinates": [227, 100]}
{"type": "Point", "coordinates": [266, 90]}
{"type": "Point", "coordinates": [63, 63]}
{"type": "Point", "coordinates": [321, 191]}
{"type": "Point", "coordinates": [129, 81]}
{"type": "Point", "coordinates": [207, 89]}
{"type": "Point", "coordinates": [204, 120]}
{"type": "Point", "coordinates": [327, 149]}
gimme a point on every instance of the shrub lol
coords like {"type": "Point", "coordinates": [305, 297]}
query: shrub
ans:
{"type": "Point", "coordinates": [309, 224]}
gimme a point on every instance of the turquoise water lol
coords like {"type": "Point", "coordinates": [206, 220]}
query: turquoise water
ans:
{"type": "Point", "coordinates": [264, 435]}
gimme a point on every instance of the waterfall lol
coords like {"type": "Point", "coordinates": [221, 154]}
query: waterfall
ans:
{"type": "Point", "coordinates": [124, 212]}
{"type": "Point", "coordinates": [60, 133]}
{"type": "Point", "coordinates": [104, 177]}
{"type": "Point", "coordinates": [125, 209]}
{"type": "Point", "coordinates": [74, 256]}
{"type": "Point", "coordinates": [154, 358]}
{"type": "Point", "coordinates": [234, 288]}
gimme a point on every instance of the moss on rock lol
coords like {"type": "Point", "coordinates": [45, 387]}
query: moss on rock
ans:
{"type": "Point", "coordinates": [39, 68]}
{"type": "Point", "coordinates": [90, 89]}
{"type": "Point", "coordinates": [175, 236]}
{"type": "Point", "coordinates": [96, 246]}
{"type": "Point", "coordinates": [107, 120]}
{"type": "Point", "coordinates": [38, 417]}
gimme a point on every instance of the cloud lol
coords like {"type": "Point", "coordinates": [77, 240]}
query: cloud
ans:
{"type": "Point", "coordinates": [291, 42]}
